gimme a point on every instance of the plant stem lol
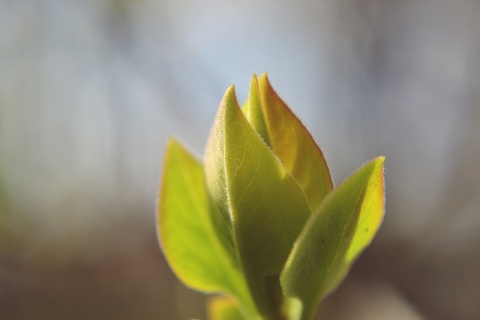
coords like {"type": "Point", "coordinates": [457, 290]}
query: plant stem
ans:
{"type": "Point", "coordinates": [275, 297]}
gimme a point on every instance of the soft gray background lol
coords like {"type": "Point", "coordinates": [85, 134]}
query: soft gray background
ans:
{"type": "Point", "coordinates": [89, 91]}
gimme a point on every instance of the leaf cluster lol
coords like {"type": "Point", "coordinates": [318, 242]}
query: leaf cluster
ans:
{"type": "Point", "coordinates": [259, 221]}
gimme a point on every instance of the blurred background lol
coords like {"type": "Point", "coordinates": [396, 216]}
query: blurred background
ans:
{"type": "Point", "coordinates": [90, 90]}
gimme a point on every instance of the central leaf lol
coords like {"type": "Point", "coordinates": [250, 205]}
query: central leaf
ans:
{"type": "Point", "coordinates": [264, 204]}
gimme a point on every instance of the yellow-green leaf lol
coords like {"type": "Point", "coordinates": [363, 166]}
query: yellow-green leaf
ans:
{"type": "Point", "coordinates": [187, 235]}
{"type": "Point", "coordinates": [266, 207]}
{"type": "Point", "coordinates": [253, 110]}
{"type": "Point", "coordinates": [334, 236]}
{"type": "Point", "coordinates": [294, 145]}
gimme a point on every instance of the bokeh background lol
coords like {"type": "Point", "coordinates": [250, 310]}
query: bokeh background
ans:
{"type": "Point", "coordinates": [90, 90]}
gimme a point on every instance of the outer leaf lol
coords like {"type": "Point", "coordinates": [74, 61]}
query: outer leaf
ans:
{"type": "Point", "coordinates": [186, 233]}
{"type": "Point", "coordinates": [223, 308]}
{"type": "Point", "coordinates": [294, 145]}
{"type": "Point", "coordinates": [266, 206]}
{"type": "Point", "coordinates": [369, 221]}
{"type": "Point", "coordinates": [324, 251]}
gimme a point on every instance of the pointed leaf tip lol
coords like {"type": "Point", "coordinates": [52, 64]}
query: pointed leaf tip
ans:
{"type": "Point", "coordinates": [253, 110]}
{"type": "Point", "coordinates": [371, 213]}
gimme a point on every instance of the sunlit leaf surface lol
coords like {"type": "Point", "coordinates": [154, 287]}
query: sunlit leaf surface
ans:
{"type": "Point", "coordinates": [294, 145]}
{"type": "Point", "coordinates": [253, 110]}
{"type": "Point", "coordinates": [187, 235]}
{"type": "Point", "coordinates": [334, 236]}
{"type": "Point", "coordinates": [266, 206]}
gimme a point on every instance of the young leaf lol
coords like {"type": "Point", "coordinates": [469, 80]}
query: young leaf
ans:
{"type": "Point", "coordinates": [253, 110]}
{"type": "Point", "coordinates": [266, 206]}
{"type": "Point", "coordinates": [324, 250]}
{"type": "Point", "coordinates": [294, 145]}
{"type": "Point", "coordinates": [186, 233]}
{"type": "Point", "coordinates": [223, 308]}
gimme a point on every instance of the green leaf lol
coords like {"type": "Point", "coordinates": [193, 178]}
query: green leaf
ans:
{"type": "Point", "coordinates": [223, 308]}
{"type": "Point", "coordinates": [186, 231]}
{"type": "Point", "coordinates": [294, 145]}
{"type": "Point", "coordinates": [253, 110]}
{"type": "Point", "coordinates": [334, 237]}
{"type": "Point", "coordinates": [266, 207]}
